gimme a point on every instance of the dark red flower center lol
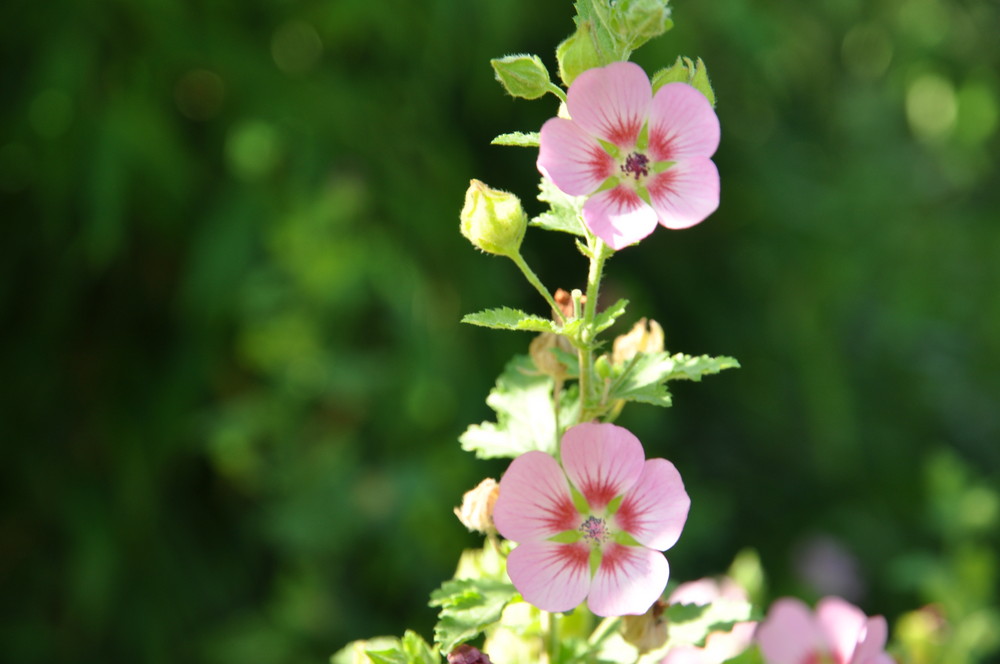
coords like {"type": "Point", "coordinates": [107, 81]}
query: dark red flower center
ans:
{"type": "Point", "coordinates": [636, 164]}
{"type": "Point", "coordinates": [594, 529]}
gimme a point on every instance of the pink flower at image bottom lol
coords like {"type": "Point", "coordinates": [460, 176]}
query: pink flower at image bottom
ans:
{"type": "Point", "coordinates": [594, 527]}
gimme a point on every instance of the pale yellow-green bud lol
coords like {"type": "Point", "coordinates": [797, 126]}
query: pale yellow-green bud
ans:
{"type": "Point", "coordinates": [493, 220]}
{"type": "Point", "coordinates": [522, 75]}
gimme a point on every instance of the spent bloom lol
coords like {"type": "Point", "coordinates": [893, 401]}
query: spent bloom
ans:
{"type": "Point", "coordinates": [594, 527]}
{"type": "Point", "coordinates": [837, 633]}
{"type": "Point", "coordinates": [641, 158]}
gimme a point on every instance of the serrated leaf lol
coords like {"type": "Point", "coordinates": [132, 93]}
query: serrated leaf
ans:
{"type": "Point", "coordinates": [526, 421]}
{"type": "Point", "coordinates": [607, 318]}
{"type": "Point", "coordinates": [564, 210]}
{"type": "Point", "coordinates": [518, 139]}
{"type": "Point", "coordinates": [643, 377]}
{"type": "Point", "coordinates": [506, 318]}
{"type": "Point", "coordinates": [691, 623]}
{"type": "Point", "coordinates": [468, 606]}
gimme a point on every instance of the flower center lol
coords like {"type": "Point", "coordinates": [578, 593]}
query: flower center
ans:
{"type": "Point", "coordinates": [594, 529]}
{"type": "Point", "coordinates": [636, 164]}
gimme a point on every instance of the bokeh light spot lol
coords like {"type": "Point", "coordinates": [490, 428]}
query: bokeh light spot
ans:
{"type": "Point", "coordinates": [978, 112]}
{"type": "Point", "coordinates": [253, 150]}
{"type": "Point", "coordinates": [296, 47]}
{"type": "Point", "coordinates": [200, 94]}
{"type": "Point", "coordinates": [867, 51]}
{"type": "Point", "coordinates": [931, 106]}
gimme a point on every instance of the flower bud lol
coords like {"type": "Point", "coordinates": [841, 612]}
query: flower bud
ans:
{"type": "Point", "coordinates": [639, 339]}
{"type": "Point", "coordinates": [476, 512]}
{"type": "Point", "coordinates": [648, 631]}
{"type": "Point", "coordinates": [493, 220]}
{"type": "Point", "coordinates": [522, 76]}
{"type": "Point", "coordinates": [578, 53]}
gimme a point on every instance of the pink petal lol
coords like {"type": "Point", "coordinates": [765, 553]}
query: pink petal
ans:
{"type": "Point", "coordinates": [572, 158]}
{"type": "Point", "coordinates": [841, 623]}
{"type": "Point", "coordinates": [601, 460]}
{"type": "Point", "coordinates": [534, 501]}
{"type": "Point", "coordinates": [628, 581]}
{"type": "Point", "coordinates": [871, 648]}
{"type": "Point", "coordinates": [611, 102]}
{"type": "Point", "coordinates": [655, 509]}
{"type": "Point", "coordinates": [552, 576]}
{"type": "Point", "coordinates": [686, 193]}
{"type": "Point", "coordinates": [682, 124]}
{"type": "Point", "coordinates": [789, 635]}
{"type": "Point", "coordinates": [619, 217]}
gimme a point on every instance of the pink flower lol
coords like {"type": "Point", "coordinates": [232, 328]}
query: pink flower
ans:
{"type": "Point", "coordinates": [642, 158]}
{"type": "Point", "coordinates": [719, 646]}
{"type": "Point", "coordinates": [594, 527]}
{"type": "Point", "coordinates": [838, 633]}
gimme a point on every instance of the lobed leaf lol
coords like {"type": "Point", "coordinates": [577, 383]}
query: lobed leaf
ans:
{"type": "Point", "coordinates": [468, 606]}
{"type": "Point", "coordinates": [564, 210]}
{"type": "Point", "coordinates": [518, 139]}
{"type": "Point", "coordinates": [506, 318]}
{"type": "Point", "coordinates": [522, 399]}
{"type": "Point", "coordinates": [644, 376]}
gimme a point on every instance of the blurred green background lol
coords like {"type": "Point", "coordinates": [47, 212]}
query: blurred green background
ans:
{"type": "Point", "coordinates": [233, 370]}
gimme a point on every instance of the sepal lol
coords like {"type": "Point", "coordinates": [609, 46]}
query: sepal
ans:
{"type": "Point", "coordinates": [684, 70]}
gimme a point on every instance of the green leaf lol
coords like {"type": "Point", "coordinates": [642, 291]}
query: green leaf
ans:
{"type": "Point", "coordinates": [607, 318]}
{"type": "Point", "coordinates": [522, 139]}
{"type": "Point", "coordinates": [468, 606]}
{"type": "Point", "coordinates": [506, 318]}
{"type": "Point", "coordinates": [417, 650]}
{"type": "Point", "coordinates": [564, 212]}
{"type": "Point", "coordinates": [691, 623]}
{"type": "Point", "coordinates": [387, 656]}
{"type": "Point", "coordinates": [357, 652]}
{"type": "Point", "coordinates": [685, 71]}
{"type": "Point", "coordinates": [643, 377]}
{"type": "Point", "coordinates": [526, 421]}
{"type": "Point", "coordinates": [522, 75]}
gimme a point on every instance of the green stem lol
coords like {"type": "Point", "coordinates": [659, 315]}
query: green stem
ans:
{"type": "Point", "coordinates": [557, 91]}
{"type": "Point", "coordinates": [536, 282]}
{"type": "Point", "coordinates": [551, 638]}
{"type": "Point", "coordinates": [598, 256]}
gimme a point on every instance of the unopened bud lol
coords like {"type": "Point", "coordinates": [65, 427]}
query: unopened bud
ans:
{"type": "Point", "coordinates": [578, 53]}
{"type": "Point", "coordinates": [640, 339]}
{"type": "Point", "coordinates": [648, 631]}
{"type": "Point", "coordinates": [522, 76]}
{"type": "Point", "coordinates": [476, 512]}
{"type": "Point", "coordinates": [493, 220]}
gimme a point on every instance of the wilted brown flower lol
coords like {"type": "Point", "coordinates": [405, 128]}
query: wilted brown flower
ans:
{"type": "Point", "coordinates": [639, 339]}
{"type": "Point", "coordinates": [476, 512]}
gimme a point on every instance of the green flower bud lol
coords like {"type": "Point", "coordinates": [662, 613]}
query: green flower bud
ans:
{"type": "Point", "coordinates": [635, 22]}
{"type": "Point", "coordinates": [685, 71]}
{"type": "Point", "coordinates": [493, 220]}
{"type": "Point", "coordinates": [522, 76]}
{"type": "Point", "coordinates": [578, 53]}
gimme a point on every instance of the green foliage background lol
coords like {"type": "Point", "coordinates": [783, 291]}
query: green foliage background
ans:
{"type": "Point", "coordinates": [234, 375]}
